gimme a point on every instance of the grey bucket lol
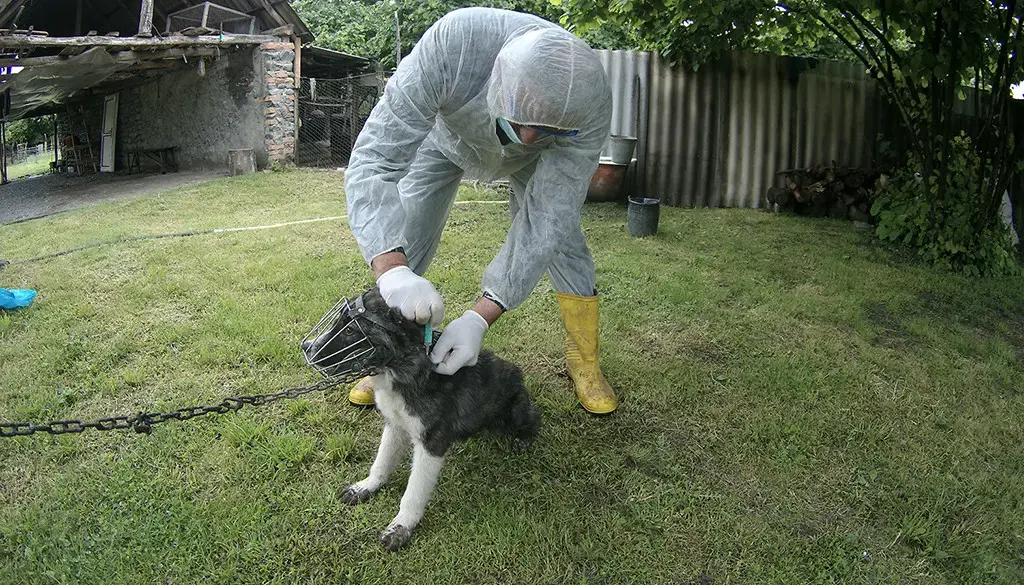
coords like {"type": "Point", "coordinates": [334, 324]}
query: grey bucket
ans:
{"type": "Point", "coordinates": [642, 216]}
{"type": "Point", "coordinates": [620, 149]}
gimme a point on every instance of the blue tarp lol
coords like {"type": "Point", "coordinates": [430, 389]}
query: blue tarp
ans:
{"type": "Point", "coordinates": [15, 298]}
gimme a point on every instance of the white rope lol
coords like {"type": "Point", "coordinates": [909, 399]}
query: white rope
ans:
{"type": "Point", "coordinates": [316, 219]}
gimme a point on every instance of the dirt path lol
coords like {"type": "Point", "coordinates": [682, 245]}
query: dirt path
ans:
{"type": "Point", "coordinates": [43, 195]}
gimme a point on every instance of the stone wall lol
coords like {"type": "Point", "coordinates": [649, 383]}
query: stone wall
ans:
{"type": "Point", "coordinates": [243, 99]}
{"type": "Point", "coordinates": [279, 111]}
{"type": "Point", "coordinates": [203, 115]}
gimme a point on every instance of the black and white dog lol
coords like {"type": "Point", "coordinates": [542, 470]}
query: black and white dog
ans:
{"type": "Point", "coordinates": [420, 406]}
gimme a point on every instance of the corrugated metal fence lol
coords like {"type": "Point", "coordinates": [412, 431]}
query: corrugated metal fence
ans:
{"type": "Point", "coordinates": [718, 137]}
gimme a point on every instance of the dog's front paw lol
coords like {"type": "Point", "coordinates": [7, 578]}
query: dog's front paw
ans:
{"type": "Point", "coordinates": [395, 537]}
{"type": "Point", "coordinates": [355, 494]}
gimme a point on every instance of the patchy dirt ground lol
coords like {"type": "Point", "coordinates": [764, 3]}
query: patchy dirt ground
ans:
{"type": "Point", "coordinates": [38, 196]}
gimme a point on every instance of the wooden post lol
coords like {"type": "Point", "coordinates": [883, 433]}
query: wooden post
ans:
{"type": "Point", "coordinates": [78, 18]}
{"type": "Point", "coordinates": [146, 19]}
{"type": "Point", "coordinates": [56, 149]}
{"type": "Point", "coordinates": [298, 61]}
{"type": "Point", "coordinates": [295, 95]}
{"type": "Point", "coordinates": [3, 153]}
{"type": "Point", "coordinates": [398, 41]}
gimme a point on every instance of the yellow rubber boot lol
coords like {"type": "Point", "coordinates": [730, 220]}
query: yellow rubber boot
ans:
{"type": "Point", "coordinates": [362, 393]}
{"type": "Point", "coordinates": [582, 353]}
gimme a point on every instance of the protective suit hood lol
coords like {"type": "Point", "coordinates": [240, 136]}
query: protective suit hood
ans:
{"type": "Point", "coordinates": [547, 77]}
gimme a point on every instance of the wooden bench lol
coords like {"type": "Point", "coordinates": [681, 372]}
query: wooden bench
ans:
{"type": "Point", "coordinates": [164, 157]}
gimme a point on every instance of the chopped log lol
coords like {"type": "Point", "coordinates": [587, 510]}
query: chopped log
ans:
{"type": "Point", "coordinates": [825, 190]}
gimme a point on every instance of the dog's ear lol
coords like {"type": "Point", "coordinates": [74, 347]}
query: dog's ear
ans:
{"type": "Point", "coordinates": [373, 300]}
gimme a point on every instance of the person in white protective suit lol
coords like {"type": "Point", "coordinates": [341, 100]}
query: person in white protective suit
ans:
{"type": "Point", "coordinates": [496, 94]}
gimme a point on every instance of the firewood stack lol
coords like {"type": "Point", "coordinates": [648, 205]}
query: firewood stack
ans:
{"type": "Point", "coordinates": [826, 191]}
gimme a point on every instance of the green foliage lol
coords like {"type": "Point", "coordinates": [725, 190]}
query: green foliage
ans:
{"type": "Point", "coordinates": [922, 54]}
{"type": "Point", "coordinates": [30, 131]}
{"type": "Point", "coordinates": [367, 28]}
{"type": "Point", "coordinates": [691, 32]}
{"type": "Point", "coordinates": [950, 232]}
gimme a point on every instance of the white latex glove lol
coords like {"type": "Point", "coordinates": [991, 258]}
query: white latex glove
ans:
{"type": "Point", "coordinates": [459, 344]}
{"type": "Point", "coordinates": [411, 294]}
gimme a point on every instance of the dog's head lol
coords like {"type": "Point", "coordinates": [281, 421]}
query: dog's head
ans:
{"type": "Point", "coordinates": [360, 336]}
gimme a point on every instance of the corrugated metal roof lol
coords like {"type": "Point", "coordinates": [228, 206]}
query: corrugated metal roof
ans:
{"type": "Point", "coordinates": [54, 14]}
{"type": "Point", "coordinates": [328, 63]}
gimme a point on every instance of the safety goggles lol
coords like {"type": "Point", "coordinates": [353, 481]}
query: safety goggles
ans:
{"type": "Point", "coordinates": [512, 135]}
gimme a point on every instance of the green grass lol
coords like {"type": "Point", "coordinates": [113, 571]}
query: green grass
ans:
{"type": "Point", "coordinates": [799, 406]}
{"type": "Point", "coordinates": [34, 165]}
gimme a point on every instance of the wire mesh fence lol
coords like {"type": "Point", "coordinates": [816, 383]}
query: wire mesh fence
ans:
{"type": "Point", "coordinates": [331, 114]}
{"type": "Point", "coordinates": [19, 153]}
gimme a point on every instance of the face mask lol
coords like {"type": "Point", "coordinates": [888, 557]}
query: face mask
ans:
{"type": "Point", "coordinates": [510, 133]}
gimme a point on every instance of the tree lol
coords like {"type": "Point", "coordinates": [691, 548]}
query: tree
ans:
{"type": "Point", "coordinates": [923, 53]}
{"type": "Point", "coordinates": [30, 131]}
{"type": "Point", "coordinates": [690, 32]}
{"type": "Point", "coordinates": [367, 28]}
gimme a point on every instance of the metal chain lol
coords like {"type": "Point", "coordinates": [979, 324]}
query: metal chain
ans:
{"type": "Point", "coordinates": [143, 422]}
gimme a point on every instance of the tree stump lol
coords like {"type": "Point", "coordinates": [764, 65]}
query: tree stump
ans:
{"type": "Point", "coordinates": [241, 161]}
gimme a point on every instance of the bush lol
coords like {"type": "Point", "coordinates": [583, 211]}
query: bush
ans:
{"type": "Point", "coordinates": [960, 234]}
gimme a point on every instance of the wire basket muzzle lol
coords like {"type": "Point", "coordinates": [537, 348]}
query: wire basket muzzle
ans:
{"type": "Point", "coordinates": [337, 347]}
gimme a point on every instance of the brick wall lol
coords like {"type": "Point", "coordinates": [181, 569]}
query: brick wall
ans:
{"type": "Point", "coordinates": [279, 102]}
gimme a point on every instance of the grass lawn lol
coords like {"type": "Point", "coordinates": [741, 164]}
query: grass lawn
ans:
{"type": "Point", "coordinates": [34, 165]}
{"type": "Point", "coordinates": [799, 406]}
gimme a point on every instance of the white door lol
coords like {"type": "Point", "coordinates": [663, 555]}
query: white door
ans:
{"type": "Point", "coordinates": [109, 132]}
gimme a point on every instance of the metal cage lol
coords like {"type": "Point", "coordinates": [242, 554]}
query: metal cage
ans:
{"type": "Point", "coordinates": [331, 114]}
{"type": "Point", "coordinates": [211, 16]}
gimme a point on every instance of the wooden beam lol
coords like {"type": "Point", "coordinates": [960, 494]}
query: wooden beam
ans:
{"type": "Point", "coordinates": [166, 54]}
{"type": "Point", "coordinates": [147, 65]}
{"type": "Point", "coordinates": [3, 152]}
{"type": "Point", "coordinates": [146, 19]}
{"type": "Point", "coordinates": [9, 8]}
{"type": "Point", "coordinates": [135, 43]}
{"type": "Point", "coordinates": [297, 67]}
{"type": "Point", "coordinates": [124, 56]}
{"type": "Point", "coordinates": [272, 13]}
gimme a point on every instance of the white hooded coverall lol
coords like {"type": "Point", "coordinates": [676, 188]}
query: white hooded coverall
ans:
{"type": "Point", "coordinates": [437, 120]}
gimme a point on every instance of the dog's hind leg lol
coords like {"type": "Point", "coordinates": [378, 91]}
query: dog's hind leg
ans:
{"type": "Point", "coordinates": [393, 443]}
{"type": "Point", "coordinates": [521, 421]}
{"type": "Point", "coordinates": [527, 417]}
{"type": "Point", "coordinates": [425, 470]}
